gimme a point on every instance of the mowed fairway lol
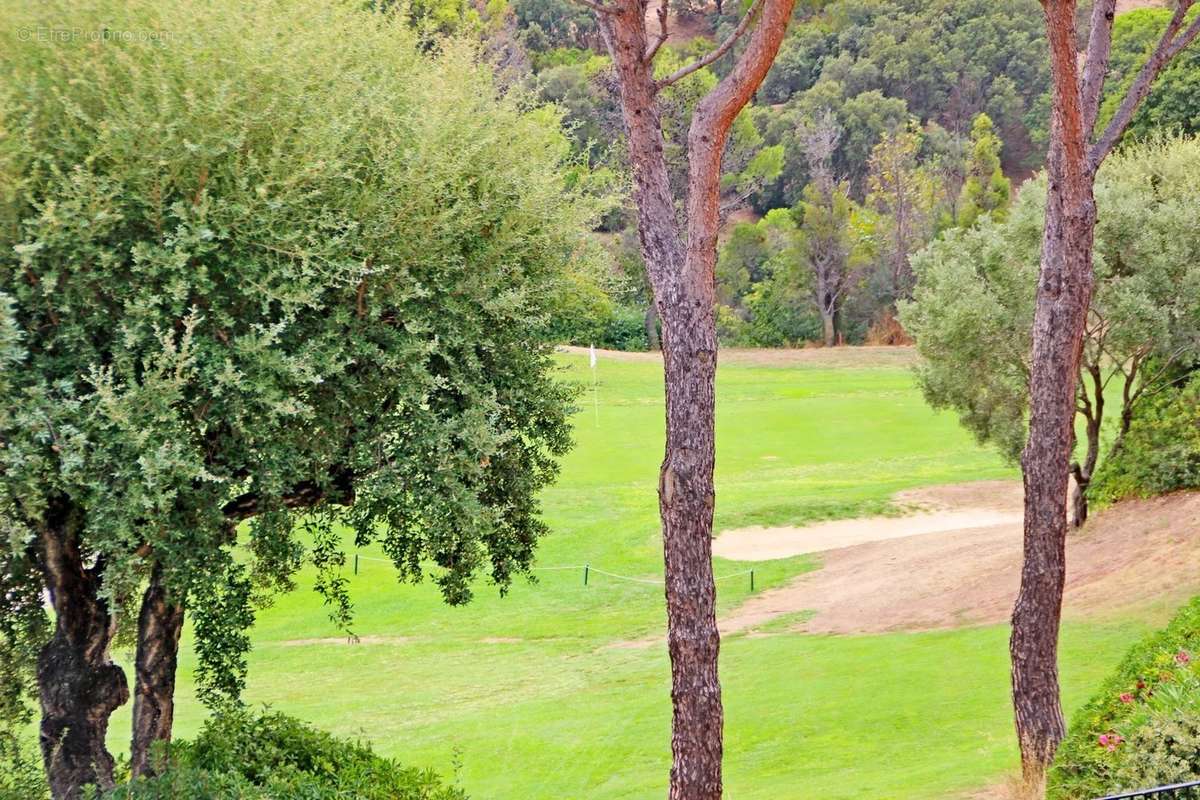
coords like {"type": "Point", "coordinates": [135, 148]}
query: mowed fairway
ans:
{"type": "Point", "coordinates": [540, 694]}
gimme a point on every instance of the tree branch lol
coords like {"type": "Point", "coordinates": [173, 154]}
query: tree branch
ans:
{"type": "Point", "coordinates": [652, 51]}
{"type": "Point", "coordinates": [306, 494]}
{"type": "Point", "coordinates": [1168, 47]}
{"type": "Point", "coordinates": [1095, 68]}
{"type": "Point", "coordinates": [724, 48]}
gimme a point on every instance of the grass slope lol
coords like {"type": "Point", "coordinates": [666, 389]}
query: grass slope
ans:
{"type": "Point", "coordinates": [527, 697]}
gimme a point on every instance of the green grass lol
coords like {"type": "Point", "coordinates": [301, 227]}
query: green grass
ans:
{"type": "Point", "coordinates": [526, 699]}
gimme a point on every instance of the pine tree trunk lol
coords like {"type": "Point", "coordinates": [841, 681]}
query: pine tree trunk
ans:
{"type": "Point", "coordinates": [78, 684]}
{"type": "Point", "coordinates": [159, 626]}
{"type": "Point", "coordinates": [683, 282]}
{"type": "Point", "coordinates": [686, 498]}
{"type": "Point", "coordinates": [1063, 294]}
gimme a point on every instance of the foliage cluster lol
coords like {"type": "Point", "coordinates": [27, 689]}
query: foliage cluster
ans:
{"type": "Point", "coordinates": [1142, 726]}
{"type": "Point", "coordinates": [1161, 452]}
{"type": "Point", "coordinates": [911, 77]}
{"type": "Point", "coordinates": [1173, 104]}
{"type": "Point", "coordinates": [271, 260]}
{"type": "Point", "coordinates": [973, 306]}
{"type": "Point", "coordinates": [271, 756]}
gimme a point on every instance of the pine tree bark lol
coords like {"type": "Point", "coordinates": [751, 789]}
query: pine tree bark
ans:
{"type": "Point", "coordinates": [681, 271]}
{"type": "Point", "coordinates": [78, 684]}
{"type": "Point", "coordinates": [1064, 290]}
{"type": "Point", "coordinates": [160, 624]}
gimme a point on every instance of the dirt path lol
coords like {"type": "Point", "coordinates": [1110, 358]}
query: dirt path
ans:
{"type": "Point", "coordinates": [1127, 556]}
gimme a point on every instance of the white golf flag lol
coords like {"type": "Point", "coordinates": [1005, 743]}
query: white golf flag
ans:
{"type": "Point", "coordinates": [592, 356]}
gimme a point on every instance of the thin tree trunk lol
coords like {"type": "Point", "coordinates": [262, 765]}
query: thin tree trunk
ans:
{"type": "Point", "coordinates": [78, 684]}
{"type": "Point", "coordinates": [1083, 473]}
{"type": "Point", "coordinates": [828, 328]}
{"type": "Point", "coordinates": [1063, 293]}
{"type": "Point", "coordinates": [159, 626]}
{"type": "Point", "coordinates": [652, 339]}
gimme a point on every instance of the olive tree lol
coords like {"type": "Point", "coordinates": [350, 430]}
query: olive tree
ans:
{"type": "Point", "coordinates": [973, 307]}
{"type": "Point", "coordinates": [276, 272]}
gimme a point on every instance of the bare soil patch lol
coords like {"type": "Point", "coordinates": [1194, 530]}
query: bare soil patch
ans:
{"type": "Point", "coordinates": [1132, 5]}
{"type": "Point", "coordinates": [680, 29]}
{"type": "Point", "coordinates": [1128, 557]}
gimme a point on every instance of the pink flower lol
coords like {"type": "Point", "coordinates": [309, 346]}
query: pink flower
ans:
{"type": "Point", "coordinates": [1182, 657]}
{"type": "Point", "coordinates": [1110, 741]}
{"type": "Point", "coordinates": [1126, 697]}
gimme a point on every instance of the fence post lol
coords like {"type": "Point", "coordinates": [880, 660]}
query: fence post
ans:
{"type": "Point", "coordinates": [585, 574]}
{"type": "Point", "coordinates": [752, 580]}
{"type": "Point", "coordinates": [356, 563]}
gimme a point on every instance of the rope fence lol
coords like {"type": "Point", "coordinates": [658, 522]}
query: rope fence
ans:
{"type": "Point", "coordinates": [588, 569]}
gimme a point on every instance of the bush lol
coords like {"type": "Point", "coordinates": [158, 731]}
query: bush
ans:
{"type": "Point", "coordinates": [1163, 750]}
{"type": "Point", "coordinates": [1161, 452]}
{"type": "Point", "coordinates": [1115, 740]}
{"type": "Point", "coordinates": [271, 756]}
{"type": "Point", "coordinates": [625, 329]}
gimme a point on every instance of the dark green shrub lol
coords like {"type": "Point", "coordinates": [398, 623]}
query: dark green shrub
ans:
{"type": "Point", "coordinates": [1161, 452]}
{"type": "Point", "coordinates": [1156, 687]}
{"type": "Point", "coordinates": [624, 330]}
{"type": "Point", "coordinates": [271, 756]}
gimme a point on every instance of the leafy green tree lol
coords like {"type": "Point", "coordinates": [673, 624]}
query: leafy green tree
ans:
{"type": "Point", "coordinates": [985, 190]}
{"type": "Point", "coordinates": [556, 23]}
{"type": "Point", "coordinates": [764, 285]}
{"type": "Point", "coordinates": [278, 266]}
{"type": "Point", "coordinates": [902, 191]}
{"type": "Point", "coordinates": [1174, 101]}
{"type": "Point", "coordinates": [798, 64]}
{"type": "Point", "coordinates": [973, 306]}
{"type": "Point", "coordinates": [946, 61]}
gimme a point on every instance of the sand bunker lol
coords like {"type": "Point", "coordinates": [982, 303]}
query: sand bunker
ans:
{"type": "Point", "coordinates": [762, 544]}
{"type": "Point", "coordinates": [347, 640]}
{"type": "Point", "coordinates": [953, 507]}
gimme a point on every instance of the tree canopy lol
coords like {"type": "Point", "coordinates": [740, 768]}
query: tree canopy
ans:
{"type": "Point", "coordinates": [280, 264]}
{"type": "Point", "coordinates": [972, 309]}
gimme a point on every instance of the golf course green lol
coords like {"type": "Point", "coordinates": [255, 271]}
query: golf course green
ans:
{"type": "Point", "coordinates": [552, 691]}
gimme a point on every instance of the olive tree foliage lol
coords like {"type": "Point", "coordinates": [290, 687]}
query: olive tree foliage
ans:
{"type": "Point", "coordinates": [278, 265]}
{"type": "Point", "coordinates": [973, 305]}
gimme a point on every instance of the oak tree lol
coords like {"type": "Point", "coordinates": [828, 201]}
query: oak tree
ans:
{"type": "Point", "coordinates": [276, 275]}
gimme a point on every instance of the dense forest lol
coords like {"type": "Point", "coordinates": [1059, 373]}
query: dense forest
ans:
{"type": "Point", "coordinates": [881, 126]}
{"type": "Point", "coordinates": [283, 282]}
